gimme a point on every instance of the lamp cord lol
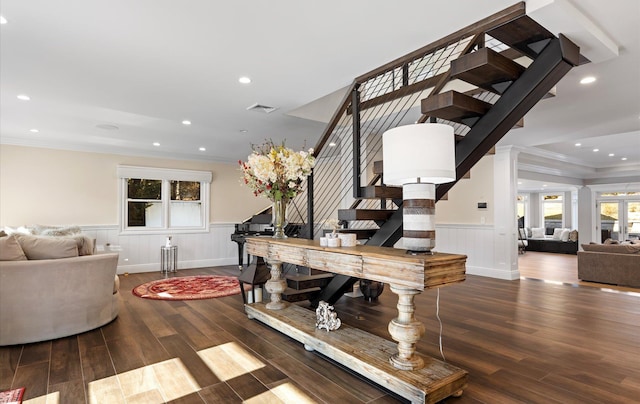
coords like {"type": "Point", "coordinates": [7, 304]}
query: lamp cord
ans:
{"type": "Point", "coordinates": [439, 322]}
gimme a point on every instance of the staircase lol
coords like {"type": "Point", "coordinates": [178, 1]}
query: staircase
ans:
{"type": "Point", "coordinates": [481, 80]}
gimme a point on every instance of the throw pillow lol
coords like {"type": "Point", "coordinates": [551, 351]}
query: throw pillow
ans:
{"type": "Point", "coordinates": [85, 244]}
{"type": "Point", "coordinates": [3, 234]}
{"type": "Point", "coordinates": [557, 233]}
{"type": "Point", "coordinates": [573, 235]}
{"type": "Point", "coordinates": [610, 241]}
{"type": "Point", "coordinates": [10, 249]}
{"type": "Point", "coordinates": [565, 235]}
{"type": "Point", "coordinates": [42, 248]}
{"type": "Point", "coordinates": [57, 230]}
{"type": "Point", "coordinates": [528, 232]}
{"type": "Point", "coordinates": [537, 232]}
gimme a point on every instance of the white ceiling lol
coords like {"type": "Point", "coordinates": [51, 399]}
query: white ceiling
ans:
{"type": "Point", "coordinates": [146, 65]}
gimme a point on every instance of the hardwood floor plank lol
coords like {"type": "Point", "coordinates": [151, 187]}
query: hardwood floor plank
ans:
{"type": "Point", "coordinates": [178, 348]}
{"type": "Point", "coordinates": [126, 353]}
{"type": "Point", "coordinates": [69, 392]}
{"type": "Point", "coordinates": [35, 353]}
{"type": "Point", "coordinates": [246, 386]}
{"type": "Point", "coordinates": [219, 393]}
{"type": "Point", "coordinates": [96, 363]}
{"type": "Point", "coordinates": [34, 377]}
{"type": "Point", "coordinates": [65, 361]}
{"type": "Point", "coordinates": [192, 398]}
{"type": "Point", "coordinates": [9, 358]}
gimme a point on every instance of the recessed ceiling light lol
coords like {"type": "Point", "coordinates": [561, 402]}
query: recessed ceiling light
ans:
{"type": "Point", "coordinates": [578, 144]}
{"type": "Point", "coordinates": [332, 144]}
{"type": "Point", "coordinates": [611, 154]}
{"type": "Point", "coordinates": [596, 150]}
{"type": "Point", "coordinates": [243, 131]}
{"type": "Point", "coordinates": [23, 97]}
{"type": "Point", "coordinates": [244, 80]}
{"type": "Point", "coordinates": [519, 182]}
{"type": "Point", "coordinates": [624, 158]}
{"type": "Point", "coordinates": [544, 185]}
{"type": "Point", "coordinates": [588, 80]}
{"type": "Point", "coordinates": [186, 122]}
{"type": "Point", "coordinates": [3, 20]}
{"type": "Point", "coordinates": [202, 149]}
{"type": "Point", "coordinates": [156, 144]}
{"type": "Point", "coordinates": [34, 130]}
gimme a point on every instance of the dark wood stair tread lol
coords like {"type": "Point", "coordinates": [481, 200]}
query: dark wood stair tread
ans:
{"type": "Point", "coordinates": [523, 34]}
{"type": "Point", "coordinates": [380, 191]}
{"type": "Point", "coordinates": [294, 295]}
{"type": "Point", "coordinates": [456, 107]}
{"type": "Point", "coordinates": [302, 281]}
{"type": "Point", "coordinates": [486, 69]}
{"type": "Point", "coordinates": [364, 214]}
{"type": "Point", "coordinates": [361, 233]}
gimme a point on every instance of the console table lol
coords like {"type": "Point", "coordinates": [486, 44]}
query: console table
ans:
{"type": "Point", "coordinates": [396, 367]}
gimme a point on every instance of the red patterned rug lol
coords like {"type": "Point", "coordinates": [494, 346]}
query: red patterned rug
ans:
{"type": "Point", "coordinates": [189, 288]}
{"type": "Point", "coordinates": [12, 396]}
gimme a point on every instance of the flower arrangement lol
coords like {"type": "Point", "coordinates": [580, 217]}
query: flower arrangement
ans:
{"type": "Point", "coordinates": [276, 171]}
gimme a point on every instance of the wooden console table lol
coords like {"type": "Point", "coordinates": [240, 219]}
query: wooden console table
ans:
{"type": "Point", "coordinates": [398, 368]}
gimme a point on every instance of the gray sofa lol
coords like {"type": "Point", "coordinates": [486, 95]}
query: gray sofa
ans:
{"type": "Point", "coordinates": [610, 263]}
{"type": "Point", "coordinates": [43, 299]}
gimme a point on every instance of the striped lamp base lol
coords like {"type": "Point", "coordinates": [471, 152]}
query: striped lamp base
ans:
{"type": "Point", "coordinates": [419, 217]}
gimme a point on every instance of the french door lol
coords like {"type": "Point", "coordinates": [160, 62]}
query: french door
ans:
{"type": "Point", "coordinates": [619, 219]}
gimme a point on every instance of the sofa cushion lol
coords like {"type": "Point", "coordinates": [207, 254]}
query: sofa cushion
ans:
{"type": "Point", "coordinates": [537, 232]}
{"type": "Point", "coordinates": [10, 249]}
{"type": "Point", "coordinates": [86, 245]}
{"type": "Point", "coordinates": [612, 248]}
{"type": "Point", "coordinates": [56, 230]}
{"type": "Point", "coordinates": [42, 248]}
{"type": "Point", "coordinates": [3, 234]}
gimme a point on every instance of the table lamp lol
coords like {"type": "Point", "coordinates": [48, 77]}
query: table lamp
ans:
{"type": "Point", "coordinates": [418, 157]}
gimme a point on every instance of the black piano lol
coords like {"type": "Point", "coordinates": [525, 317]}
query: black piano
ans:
{"type": "Point", "coordinates": [258, 225]}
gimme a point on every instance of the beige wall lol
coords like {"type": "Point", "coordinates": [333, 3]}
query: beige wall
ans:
{"type": "Point", "coordinates": [56, 187]}
{"type": "Point", "coordinates": [462, 206]}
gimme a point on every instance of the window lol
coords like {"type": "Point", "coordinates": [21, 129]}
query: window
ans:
{"type": "Point", "coordinates": [552, 210]}
{"type": "Point", "coordinates": [521, 210]}
{"type": "Point", "coordinates": [157, 199]}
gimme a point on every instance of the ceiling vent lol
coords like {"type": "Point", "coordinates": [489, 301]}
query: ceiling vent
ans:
{"type": "Point", "coordinates": [261, 108]}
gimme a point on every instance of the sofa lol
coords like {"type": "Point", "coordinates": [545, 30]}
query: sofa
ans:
{"type": "Point", "coordinates": [615, 264]}
{"type": "Point", "coordinates": [48, 290]}
{"type": "Point", "coordinates": [557, 240]}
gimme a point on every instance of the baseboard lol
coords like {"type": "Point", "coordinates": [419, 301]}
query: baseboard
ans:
{"type": "Point", "coordinates": [155, 267]}
{"type": "Point", "coordinates": [493, 273]}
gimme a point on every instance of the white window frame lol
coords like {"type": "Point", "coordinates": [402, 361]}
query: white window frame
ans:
{"type": "Point", "coordinates": [166, 175]}
{"type": "Point", "coordinates": [543, 202]}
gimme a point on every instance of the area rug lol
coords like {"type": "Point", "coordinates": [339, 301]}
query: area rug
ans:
{"type": "Point", "coordinates": [189, 288]}
{"type": "Point", "coordinates": [12, 396]}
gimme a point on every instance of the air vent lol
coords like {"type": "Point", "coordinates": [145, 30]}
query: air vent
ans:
{"type": "Point", "coordinates": [261, 108]}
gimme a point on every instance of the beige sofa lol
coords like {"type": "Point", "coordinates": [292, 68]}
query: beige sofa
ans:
{"type": "Point", "coordinates": [610, 263]}
{"type": "Point", "coordinates": [46, 298]}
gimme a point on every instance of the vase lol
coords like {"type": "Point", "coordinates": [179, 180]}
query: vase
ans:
{"type": "Point", "coordinates": [279, 218]}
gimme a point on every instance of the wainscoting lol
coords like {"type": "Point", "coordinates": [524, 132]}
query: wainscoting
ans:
{"type": "Point", "coordinates": [141, 252]}
{"type": "Point", "coordinates": [477, 242]}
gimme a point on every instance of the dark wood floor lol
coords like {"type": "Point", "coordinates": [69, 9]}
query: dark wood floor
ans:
{"type": "Point", "coordinates": [521, 341]}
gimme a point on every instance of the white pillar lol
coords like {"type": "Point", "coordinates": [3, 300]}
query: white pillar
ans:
{"type": "Point", "coordinates": [505, 192]}
{"type": "Point", "coordinates": [586, 216]}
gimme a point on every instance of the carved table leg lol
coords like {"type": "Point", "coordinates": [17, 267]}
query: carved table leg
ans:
{"type": "Point", "coordinates": [406, 330]}
{"type": "Point", "coordinates": [275, 286]}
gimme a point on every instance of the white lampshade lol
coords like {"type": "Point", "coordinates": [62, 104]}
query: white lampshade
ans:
{"type": "Point", "coordinates": [635, 228]}
{"type": "Point", "coordinates": [616, 227]}
{"type": "Point", "coordinates": [423, 152]}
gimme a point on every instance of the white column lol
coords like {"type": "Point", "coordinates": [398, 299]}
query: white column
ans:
{"type": "Point", "coordinates": [586, 216]}
{"type": "Point", "coordinates": [505, 192]}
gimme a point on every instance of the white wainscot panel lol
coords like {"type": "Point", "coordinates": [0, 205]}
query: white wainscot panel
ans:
{"type": "Point", "coordinates": [474, 241]}
{"type": "Point", "coordinates": [141, 252]}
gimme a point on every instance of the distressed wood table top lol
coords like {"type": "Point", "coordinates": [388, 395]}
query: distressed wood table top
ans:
{"type": "Point", "coordinates": [383, 264]}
